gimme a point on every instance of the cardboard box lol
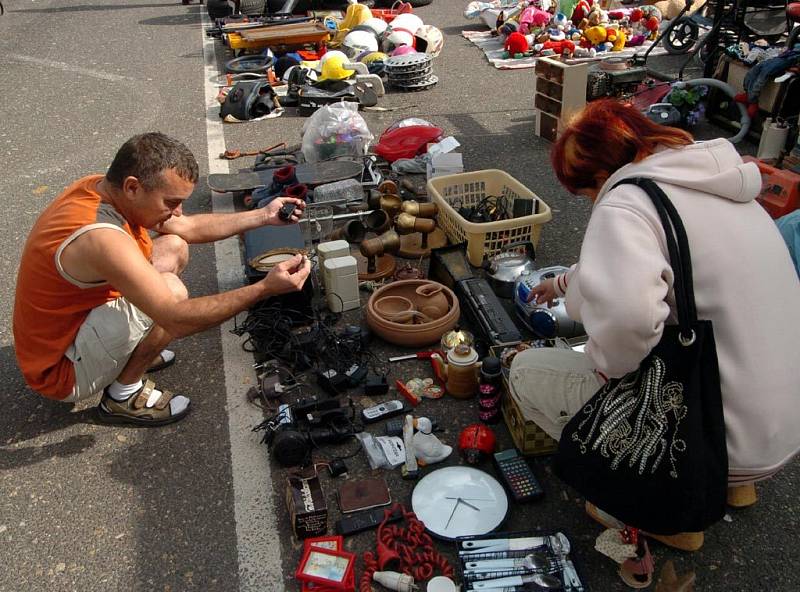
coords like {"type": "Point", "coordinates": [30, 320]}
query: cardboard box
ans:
{"type": "Point", "coordinates": [305, 501]}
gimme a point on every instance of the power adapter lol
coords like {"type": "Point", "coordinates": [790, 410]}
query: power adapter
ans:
{"type": "Point", "coordinates": [355, 375]}
{"type": "Point", "coordinates": [332, 382]}
{"type": "Point", "coordinates": [376, 385]}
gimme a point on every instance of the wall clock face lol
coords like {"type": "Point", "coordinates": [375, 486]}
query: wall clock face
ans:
{"type": "Point", "coordinates": [459, 501]}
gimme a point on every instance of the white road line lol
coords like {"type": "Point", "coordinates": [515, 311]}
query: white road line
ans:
{"type": "Point", "coordinates": [257, 536]}
{"type": "Point", "coordinates": [70, 68]}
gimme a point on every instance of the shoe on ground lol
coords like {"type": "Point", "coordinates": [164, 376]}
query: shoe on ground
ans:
{"type": "Point", "coordinates": [742, 496]}
{"type": "Point", "coordinates": [684, 541]}
{"type": "Point", "coordinates": [144, 407]}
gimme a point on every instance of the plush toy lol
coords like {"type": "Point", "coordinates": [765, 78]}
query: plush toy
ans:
{"type": "Point", "coordinates": [619, 40]}
{"type": "Point", "coordinates": [599, 37]}
{"type": "Point", "coordinates": [584, 52]}
{"type": "Point", "coordinates": [669, 9]}
{"type": "Point", "coordinates": [533, 18]}
{"type": "Point", "coordinates": [635, 40]}
{"type": "Point", "coordinates": [516, 44]}
{"type": "Point", "coordinates": [580, 12]}
{"type": "Point", "coordinates": [564, 48]}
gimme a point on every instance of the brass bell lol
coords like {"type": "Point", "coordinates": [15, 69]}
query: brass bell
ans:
{"type": "Point", "coordinates": [422, 210]}
{"type": "Point", "coordinates": [388, 186]}
{"type": "Point", "coordinates": [406, 224]}
{"type": "Point", "coordinates": [378, 221]}
{"type": "Point", "coordinates": [388, 242]}
{"type": "Point", "coordinates": [373, 199]}
{"type": "Point", "coordinates": [391, 203]}
{"type": "Point", "coordinates": [353, 231]}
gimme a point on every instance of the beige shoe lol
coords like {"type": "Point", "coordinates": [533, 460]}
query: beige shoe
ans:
{"type": "Point", "coordinates": [684, 541]}
{"type": "Point", "coordinates": [742, 496]}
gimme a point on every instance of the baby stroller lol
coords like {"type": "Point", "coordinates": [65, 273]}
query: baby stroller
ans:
{"type": "Point", "coordinates": [718, 24]}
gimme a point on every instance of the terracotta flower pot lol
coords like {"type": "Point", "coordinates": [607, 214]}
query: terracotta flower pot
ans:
{"type": "Point", "coordinates": [412, 335]}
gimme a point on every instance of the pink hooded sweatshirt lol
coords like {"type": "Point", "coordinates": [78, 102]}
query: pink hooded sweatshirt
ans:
{"type": "Point", "coordinates": [744, 282]}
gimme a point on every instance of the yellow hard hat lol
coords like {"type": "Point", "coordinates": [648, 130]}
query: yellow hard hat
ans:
{"type": "Point", "coordinates": [333, 69]}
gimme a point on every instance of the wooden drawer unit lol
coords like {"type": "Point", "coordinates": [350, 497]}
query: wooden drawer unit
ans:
{"type": "Point", "coordinates": [560, 91]}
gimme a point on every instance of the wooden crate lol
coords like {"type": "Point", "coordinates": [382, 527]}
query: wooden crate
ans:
{"type": "Point", "coordinates": [529, 438]}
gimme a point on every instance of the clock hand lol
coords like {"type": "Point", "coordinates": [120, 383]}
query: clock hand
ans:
{"type": "Point", "coordinates": [471, 506]}
{"type": "Point", "coordinates": [472, 499]}
{"type": "Point", "coordinates": [458, 501]}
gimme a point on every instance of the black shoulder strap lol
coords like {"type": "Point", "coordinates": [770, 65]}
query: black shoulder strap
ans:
{"type": "Point", "coordinates": [678, 248]}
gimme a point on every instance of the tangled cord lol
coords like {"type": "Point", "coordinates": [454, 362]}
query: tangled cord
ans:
{"type": "Point", "coordinates": [412, 545]}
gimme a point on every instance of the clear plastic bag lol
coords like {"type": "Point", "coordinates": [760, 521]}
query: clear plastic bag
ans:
{"type": "Point", "coordinates": [383, 452]}
{"type": "Point", "coordinates": [335, 131]}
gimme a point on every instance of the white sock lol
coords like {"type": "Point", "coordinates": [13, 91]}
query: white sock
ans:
{"type": "Point", "coordinates": [167, 355]}
{"type": "Point", "coordinates": [122, 392]}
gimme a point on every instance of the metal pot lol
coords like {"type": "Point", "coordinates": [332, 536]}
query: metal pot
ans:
{"type": "Point", "coordinates": [505, 267]}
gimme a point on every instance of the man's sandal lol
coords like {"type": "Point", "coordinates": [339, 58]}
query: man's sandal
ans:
{"type": "Point", "coordinates": [144, 408]}
{"type": "Point", "coordinates": [163, 360]}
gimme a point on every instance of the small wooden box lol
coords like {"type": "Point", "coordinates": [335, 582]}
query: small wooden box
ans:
{"type": "Point", "coordinates": [529, 438]}
{"type": "Point", "coordinates": [560, 92]}
{"type": "Point", "coordinates": [305, 502]}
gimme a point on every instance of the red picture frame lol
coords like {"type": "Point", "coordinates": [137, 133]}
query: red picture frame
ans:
{"type": "Point", "coordinates": [333, 542]}
{"type": "Point", "coordinates": [325, 567]}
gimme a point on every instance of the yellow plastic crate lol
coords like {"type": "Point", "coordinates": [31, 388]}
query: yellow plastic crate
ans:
{"type": "Point", "coordinates": [485, 239]}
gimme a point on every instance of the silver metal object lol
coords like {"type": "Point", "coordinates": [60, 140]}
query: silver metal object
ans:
{"type": "Point", "coordinates": [544, 580]}
{"type": "Point", "coordinates": [530, 562]}
{"type": "Point", "coordinates": [558, 543]}
{"type": "Point", "coordinates": [546, 322]}
{"type": "Point", "coordinates": [503, 269]}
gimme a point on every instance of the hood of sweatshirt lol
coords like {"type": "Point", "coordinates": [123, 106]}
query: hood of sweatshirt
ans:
{"type": "Point", "coordinates": [712, 167]}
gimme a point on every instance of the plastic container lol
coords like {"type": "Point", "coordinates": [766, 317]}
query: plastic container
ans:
{"type": "Point", "coordinates": [485, 239]}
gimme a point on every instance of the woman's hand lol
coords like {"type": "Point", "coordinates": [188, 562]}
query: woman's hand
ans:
{"type": "Point", "coordinates": [272, 209]}
{"type": "Point", "coordinates": [544, 292]}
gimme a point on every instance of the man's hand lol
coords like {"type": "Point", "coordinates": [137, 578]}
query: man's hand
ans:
{"type": "Point", "coordinates": [272, 209]}
{"type": "Point", "coordinates": [287, 276]}
{"type": "Point", "coordinates": [544, 292]}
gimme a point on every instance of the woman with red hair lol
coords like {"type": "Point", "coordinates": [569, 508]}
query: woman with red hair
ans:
{"type": "Point", "coordinates": [621, 289]}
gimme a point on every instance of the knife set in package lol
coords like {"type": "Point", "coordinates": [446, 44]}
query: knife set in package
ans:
{"type": "Point", "coordinates": [512, 562]}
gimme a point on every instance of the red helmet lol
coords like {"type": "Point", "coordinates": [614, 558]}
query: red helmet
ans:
{"type": "Point", "coordinates": [475, 442]}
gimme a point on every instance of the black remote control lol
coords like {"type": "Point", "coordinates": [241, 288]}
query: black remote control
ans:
{"type": "Point", "coordinates": [286, 211]}
{"type": "Point", "coordinates": [518, 476]}
{"type": "Point", "coordinates": [365, 520]}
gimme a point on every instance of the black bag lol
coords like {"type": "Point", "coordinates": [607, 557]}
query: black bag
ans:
{"type": "Point", "coordinates": [247, 100]}
{"type": "Point", "coordinates": [649, 448]}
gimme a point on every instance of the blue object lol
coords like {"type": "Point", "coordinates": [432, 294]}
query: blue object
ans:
{"type": "Point", "coordinates": [789, 225]}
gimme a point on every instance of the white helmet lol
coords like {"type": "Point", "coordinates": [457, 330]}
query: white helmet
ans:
{"type": "Point", "coordinates": [408, 21]}
{"type": "Point", "coordinates": [378, 26]}
{"type": "Point", "coordinates": [396, 38]}
{"type": "Point", "coordinates": [356, 42]}
{"type": "Point", "coordinates": [429, 40]}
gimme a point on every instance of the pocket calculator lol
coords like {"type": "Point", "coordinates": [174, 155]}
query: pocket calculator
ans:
{"type": "Point", "coordinates": [518, 476]}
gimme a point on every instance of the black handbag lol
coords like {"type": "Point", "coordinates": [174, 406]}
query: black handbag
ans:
{"type": "Point", "coordinates": [649, 448]}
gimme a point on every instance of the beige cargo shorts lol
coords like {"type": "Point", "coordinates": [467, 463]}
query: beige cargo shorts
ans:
{"type": "Point", "coordinates": [550, 385]}
{"type": "Point", "coordinates": [103, 345]}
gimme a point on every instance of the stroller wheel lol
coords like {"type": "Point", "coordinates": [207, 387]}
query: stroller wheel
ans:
{"type": "Point", "coordinates": [682, 36]}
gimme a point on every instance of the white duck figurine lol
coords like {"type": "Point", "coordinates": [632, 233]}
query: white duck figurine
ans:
{"type": "Point", "coordinates": [427, 447]}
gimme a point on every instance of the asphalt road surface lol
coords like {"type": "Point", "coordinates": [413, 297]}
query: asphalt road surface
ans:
{"type": "Point", "coordinates": [197, 506]}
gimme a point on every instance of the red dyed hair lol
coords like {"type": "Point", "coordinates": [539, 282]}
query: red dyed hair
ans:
{"type": "Point", "coordinates": [605, 136]}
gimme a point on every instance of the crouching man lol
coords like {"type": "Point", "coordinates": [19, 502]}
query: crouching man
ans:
{"type": "Point", "coordinates": [98, 300]}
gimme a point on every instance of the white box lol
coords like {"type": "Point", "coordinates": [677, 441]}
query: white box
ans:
{"type": "Point", "coordinates": [340, 276]}
{"type": "Point", "coordinates": [331, 249]}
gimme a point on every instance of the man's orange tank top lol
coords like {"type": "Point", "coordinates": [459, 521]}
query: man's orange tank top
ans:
{"type": "Point", "coordinates": [48, 308]}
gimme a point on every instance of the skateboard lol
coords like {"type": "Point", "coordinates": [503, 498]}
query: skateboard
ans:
{"type": "Point", "coordinates": [311, 174]}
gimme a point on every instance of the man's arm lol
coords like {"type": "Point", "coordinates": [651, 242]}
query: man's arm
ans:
{"type": "Point", "coordinates": [207, 228]}
{"type": "Point", "coordinates": [140, 283]}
